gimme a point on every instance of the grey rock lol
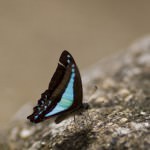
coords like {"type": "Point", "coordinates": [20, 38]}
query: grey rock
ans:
{"type": "Point", "coordinates": [118, 90]}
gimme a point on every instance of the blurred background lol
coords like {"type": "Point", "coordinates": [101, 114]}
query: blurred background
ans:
{"type": "Point", "coordinates": [34, 33]}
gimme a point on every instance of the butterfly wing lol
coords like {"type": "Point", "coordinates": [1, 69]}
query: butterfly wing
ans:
{"type": "Point", "coordinates": [64, 92]}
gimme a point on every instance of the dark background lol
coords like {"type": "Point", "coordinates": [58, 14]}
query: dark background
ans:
{"type": "Point", "coordinates": [34, 33]}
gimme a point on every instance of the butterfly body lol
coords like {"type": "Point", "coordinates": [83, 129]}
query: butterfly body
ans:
{"type": "Point", "coordinates": [64, 94]}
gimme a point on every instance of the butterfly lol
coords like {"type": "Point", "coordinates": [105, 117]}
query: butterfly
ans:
{"type": "Point", "coordinates": [64, 94]}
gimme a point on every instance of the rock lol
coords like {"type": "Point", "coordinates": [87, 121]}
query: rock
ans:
{"type": "Point", "coordinates": [123, 92]}
{"type": "Point", "coordinates": [123, 120]}
{"type": "Point", "coordinates": [139, 126]}
{"type": "Point", "coordinates": [122, 131]}
{"type": "Point", "coordinates": [25, 133]}
{"type": "Point", "coordinates": [35, 146]}
{"type": "Point", "coordinates": [119, 118]}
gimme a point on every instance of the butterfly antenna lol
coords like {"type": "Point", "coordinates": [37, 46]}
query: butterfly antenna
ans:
{"type": "Point", "coordinates": [74, 118]}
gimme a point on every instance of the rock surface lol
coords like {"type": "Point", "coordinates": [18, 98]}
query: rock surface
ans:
{"type": "Point", "coordinates": [118, 90]}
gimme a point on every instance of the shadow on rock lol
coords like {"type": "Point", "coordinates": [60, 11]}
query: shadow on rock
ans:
{"type": "Point", "coordinates": [79, 140]}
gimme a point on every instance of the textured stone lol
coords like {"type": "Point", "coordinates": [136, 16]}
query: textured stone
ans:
{"type": "Point", "coordinates": [119, 118]}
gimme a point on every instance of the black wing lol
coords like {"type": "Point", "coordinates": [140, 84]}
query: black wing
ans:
{"type": "Point", "coordinates": [50, 98]}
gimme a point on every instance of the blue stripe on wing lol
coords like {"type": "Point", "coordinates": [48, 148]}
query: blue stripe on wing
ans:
{"type": "Point", "coordinates": [68, 96]}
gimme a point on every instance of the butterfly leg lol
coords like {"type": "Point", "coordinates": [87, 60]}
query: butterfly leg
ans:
{"type": "Point", "coordinates": [74, 118]}
{"type": "Point", "coordinates": [86, 120]}
{"type": "Point", "coordinates": [89, 116]}
{"type": "Point", "coordinates": [75, 122]}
